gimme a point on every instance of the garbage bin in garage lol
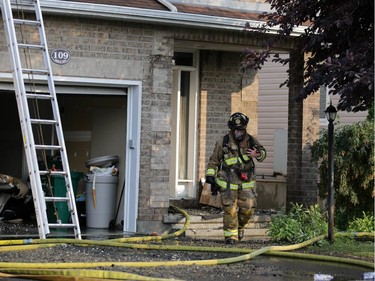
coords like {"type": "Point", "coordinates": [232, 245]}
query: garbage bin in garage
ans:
{"type": "Point", "coordinates": [100, 192]}
{"type": "Point", "coordinates": [59, 210]}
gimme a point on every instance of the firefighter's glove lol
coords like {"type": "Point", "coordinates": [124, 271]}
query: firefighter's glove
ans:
{"type": "Point", "coordinates": [210, 180]}
{"type": "Point", "coordinates": [214, 189]}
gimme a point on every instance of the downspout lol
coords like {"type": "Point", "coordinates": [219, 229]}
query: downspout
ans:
{"type": "Point", "coordinates": [169, 5]}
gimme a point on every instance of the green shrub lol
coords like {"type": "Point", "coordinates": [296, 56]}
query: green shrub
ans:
{"type": "Point", "coordinates": [353, 170]}
{"type": "Point", "coordinates": [364, 224]}
{"type": "Point", "coordinates": [299, 225]}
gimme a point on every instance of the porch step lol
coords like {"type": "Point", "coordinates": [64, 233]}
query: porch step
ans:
{"type": "Point", "coordinates": [211, 226]}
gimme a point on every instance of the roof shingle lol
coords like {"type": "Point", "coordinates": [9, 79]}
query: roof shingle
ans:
{"type": "Point", "coordinates": [181, 8]}
{"type": "Point", "coordinates": [143, 4]}
{"type": "Point", "coordinates": [217, 12]}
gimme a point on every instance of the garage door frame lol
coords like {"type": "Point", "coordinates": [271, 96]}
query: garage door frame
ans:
{"type": "Point", "coordinates": [132, 149]}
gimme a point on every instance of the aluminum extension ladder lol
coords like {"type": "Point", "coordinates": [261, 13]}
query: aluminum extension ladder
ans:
{"type": "Point", "coordinates": [25, 33]}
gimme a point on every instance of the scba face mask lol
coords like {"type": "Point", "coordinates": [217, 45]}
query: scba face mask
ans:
{"type": "Point", "coordinates": [239, 135]}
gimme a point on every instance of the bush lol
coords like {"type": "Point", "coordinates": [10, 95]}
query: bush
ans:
{"type": "Point", "coordinates": [353, 170]}
{"type": "Point", "coordinates": [364, 224]}
{"type": "Point", "coordinates": [299, 225]}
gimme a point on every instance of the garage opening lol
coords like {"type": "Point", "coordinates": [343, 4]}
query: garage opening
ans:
{"type": "Point", "coordinates": [95, 121]}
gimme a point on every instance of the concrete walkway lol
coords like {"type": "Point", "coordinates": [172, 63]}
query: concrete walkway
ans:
{"type": "Point", "coordinates": [211, 226]}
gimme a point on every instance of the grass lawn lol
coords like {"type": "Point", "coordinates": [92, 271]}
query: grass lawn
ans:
{"type": "Point", "coordinates": [358, 248]}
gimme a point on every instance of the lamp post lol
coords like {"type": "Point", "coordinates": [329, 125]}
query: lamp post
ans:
{"type": "Point", "coordinates": [331, 116]}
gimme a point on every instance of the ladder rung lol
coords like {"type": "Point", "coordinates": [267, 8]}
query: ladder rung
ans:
{"type": "Point", "coordinates": [26, 22]}
{"type": "Point", "coordinates": [61, 225]}
{"type": "Point", "coordinates": [52, 173]}
{"type": "Point", "coordinates": [39, 96]}
{"type": "Point", "coordinates": [48, 146]}
{"type": "Point", "coordinates": [31, 46]}
{"type": "Point", "coordinates": [56, 199]}
{"type": "Point", "coordinates": [35, 71]}
{"type": "Point", "coordinates": [43, 121]}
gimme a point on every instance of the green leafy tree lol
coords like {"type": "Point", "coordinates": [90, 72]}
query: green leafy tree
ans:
{"type": "Point", "coordinates": [339, 37]}
{"type": "Point", "coordinates": [353, 170]}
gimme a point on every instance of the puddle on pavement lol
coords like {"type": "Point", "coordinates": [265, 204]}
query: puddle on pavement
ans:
{"type": "Point", "coordinates": [287, 269]}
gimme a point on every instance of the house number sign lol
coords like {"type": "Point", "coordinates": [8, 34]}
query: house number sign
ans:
{"type": "Point", "coordinates": [60, 56]}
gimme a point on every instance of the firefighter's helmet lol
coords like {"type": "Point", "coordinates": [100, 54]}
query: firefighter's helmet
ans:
{"type": "Point", "coordinates": [238, 121]}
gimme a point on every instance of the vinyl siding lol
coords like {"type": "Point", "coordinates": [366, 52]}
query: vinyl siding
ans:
{"type": "Point", "coordinates": [273, 117]}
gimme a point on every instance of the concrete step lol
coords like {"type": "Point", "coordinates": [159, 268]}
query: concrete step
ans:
{"type": "Point", "coordinates": [217, 233]}
{"type": "Point", "coordinates": [211, 226]}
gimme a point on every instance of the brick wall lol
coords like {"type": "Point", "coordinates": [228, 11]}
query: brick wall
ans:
{"type": "Point", "coordinates": [130, 51]}
{"type": "Point", "coordinates": [223, 91]}
{"type": "Point", "coordinates": [127, 51]}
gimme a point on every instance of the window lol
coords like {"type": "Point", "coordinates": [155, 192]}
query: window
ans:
{"type": "Point", "coordinates": [184, 104]}
{"type": "Point", "coordinates": [183, 59]}
{"type": "Point", "coordinates": [324, 101]}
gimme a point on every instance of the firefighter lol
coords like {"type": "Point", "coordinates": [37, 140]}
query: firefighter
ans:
{"type": "Point", "coordinates": [231, 172]}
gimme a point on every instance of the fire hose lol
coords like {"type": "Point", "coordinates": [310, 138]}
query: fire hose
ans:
{"type": "Point", "coordinates": [65, 269]}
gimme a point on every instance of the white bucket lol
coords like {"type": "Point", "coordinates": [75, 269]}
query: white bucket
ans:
{"type": "Point", "coordinates": [100, 212]}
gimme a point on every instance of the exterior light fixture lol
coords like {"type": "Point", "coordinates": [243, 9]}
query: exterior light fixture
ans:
{"type": "Point", "coordinates": [330, 113]}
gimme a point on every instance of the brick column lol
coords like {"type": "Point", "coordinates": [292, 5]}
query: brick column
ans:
{"type": "Point", "coordinates": [303, 130]}
{"type": "Point", "coordinates": [156, 135]}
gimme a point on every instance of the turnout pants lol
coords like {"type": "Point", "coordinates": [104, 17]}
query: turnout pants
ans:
{"type": "Point", "coordinates": [238, 209]}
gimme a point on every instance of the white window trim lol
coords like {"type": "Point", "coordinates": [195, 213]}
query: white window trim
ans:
{"type": "Point", "coordinates": [190, 183]}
